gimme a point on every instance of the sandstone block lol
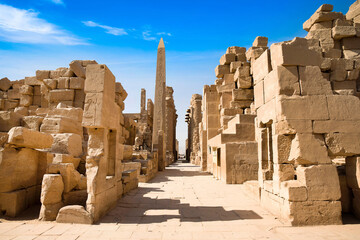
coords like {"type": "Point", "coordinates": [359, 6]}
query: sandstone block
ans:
{"type": "Point", "coordinates": [343, 144]}
{"type": "Point", "coordinates": [352, 54]}
{"type": "Point", "coordinates": [308, 149]}
{"type": "Point", "coordinates": [220, 70]}
{"type": "Point", "coordinates": [353, 172]}
{"type": "Point", "coordinates": [32, 122]}
{"type": "Point", "coordinates": [339, 126]}
{"type": "Point", "coordinates": [50, 211]}
{"type": "Point", "coordinates": [321, 181]}
{"type": "Point", "coordinates": [324, 36]}
{"type": "Point", "coordinates": [242, 94]}
{"type": "Point", "coordinates": [340, 32]}
{"type": "Point", "coordinates": [236, 50]}
{"type": "Point", "coordinates": [261, 66]}
{"type": "Point", "coordinates": [66, 158]}
{"type": "Point", "coordinates": [295, 52]}
{"type": "Point", "coordinates": [343, 107]}
{"type": "Point", "coordinates": [227, 58]}
{"type": "Point", "coordinates": [235, 65]}
{"type": "Point", "coordinates": [350, 43]}
{"type": "Point", "coordinates": [26, 90]}
{"type": "Point", "coordinates": [50, 83]}
{"type": "Point", "coordinates": [77, 68]}
{"type": "Point", "coordinates": [259, 94]}
{"type": "Point", "coordinates": [67, 143]}
{"type": "Point", "coordinates": [119, 89]}
{"type": "Point", "coordinates": [244, 82]}
{"type": "Point", "coordinates": [5, 84]}
{"type": "Point", "coordinates": [42, 74]}
{"type": "Point", "coordinates": [293, 191]}
{"type": "Point", "coordinates": [61, 125]}
{"type": "Point", "coordinates": [307, 107]}
{"type": "Point", "coordinates": [8, 120]}
{"type": "Point", "coordinates": [63, 82]}
{"type": "Point", "coordinates": [312, 82]}
{"type": "Point", "coordinates": [24, 137]}
{"type": "Point", "coordinates": [51, 189]}
{"type": "Point", "coordinates": [32, 81]}
{"type": "Point", "coordinates": [260, 42]}
{"type": "Point", "coordinates": [26, 100]}
{"type": "Point", "coordinates": [315, 213]}
{"type": "Point", "coordinates": [77, 83]}
{"type": "Point", "coordinates": [13, 93]}
{"type": "Point", "coordinates": [74, 214]}
{"type": "Point", "coordinates": [13, 174]}
{"type": "Point", "coordinates": [254, 53]}
{"type": "Point", "coordinates": [321, 16]}
{"type": "Point", "coordinates": [61, 95]}
{"type": "Point", "coordinates": [69, 175]}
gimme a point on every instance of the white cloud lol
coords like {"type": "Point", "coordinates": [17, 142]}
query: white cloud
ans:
{"type": "Point", "coordinates": [147, 36]}
{"type": "Point", "coordinates": [24, 26]}
{"type": "Point", "coordinates": [60, 2]}
{"type": "Point", "coordinates": [164, 33]}
{"type": "Point", "coordinates": [110, 30]}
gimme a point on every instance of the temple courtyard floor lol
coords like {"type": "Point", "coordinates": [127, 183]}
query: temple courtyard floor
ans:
{"type": "Point", "coordinates": [179, 203]}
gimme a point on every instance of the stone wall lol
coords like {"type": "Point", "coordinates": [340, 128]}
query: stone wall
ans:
{"type": "Point", "coordinates": [303, 98]}
{"type": "Point", "coordinates": [62, 136]}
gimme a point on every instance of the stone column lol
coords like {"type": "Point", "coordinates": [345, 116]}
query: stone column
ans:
{"type": "Point", "coordinates": [143, 100]}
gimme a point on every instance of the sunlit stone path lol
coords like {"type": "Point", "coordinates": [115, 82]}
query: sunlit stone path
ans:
{"type": "Point", "coordinates": [180, 203]}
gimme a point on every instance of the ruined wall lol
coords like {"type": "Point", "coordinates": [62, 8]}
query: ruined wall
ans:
{"type": "Point", "coordinates": [307, 105]}
{"type": "Point", "coordinates": [68, 167]}
{"type": "Point", "coordinates": [304, 94]}
{"type": "Point", "coordinates": [170, 126]}
{"type": "Point", "coordinates": [195, 117]}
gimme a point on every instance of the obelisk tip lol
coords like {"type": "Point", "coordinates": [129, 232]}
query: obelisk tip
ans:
{"type": "Point", "coordinates": [161, 44]}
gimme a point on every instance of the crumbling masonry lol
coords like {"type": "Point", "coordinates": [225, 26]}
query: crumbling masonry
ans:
{"type": "Point", "coordinates": [284, 120]}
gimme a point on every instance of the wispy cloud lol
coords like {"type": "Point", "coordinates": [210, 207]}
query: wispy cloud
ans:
{"type": "Point", "coordinates": [110, 30]}
{"type": "Point", "coordinates": [60, 2]}
{"type": "Point", "coordinates": [164, 33]}
{"type": "Point", "coordinates": [147, 36]}
{"type": "Point", "coordinates": [25, 26]}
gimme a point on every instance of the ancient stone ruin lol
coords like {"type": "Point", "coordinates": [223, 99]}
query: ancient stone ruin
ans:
{"type": "Point", "coordinates": [284, 120]}
{"type": "Point", "coordinates": [65, 142]}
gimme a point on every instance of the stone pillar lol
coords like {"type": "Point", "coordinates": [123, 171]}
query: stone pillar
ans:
{"type": "Point", "coordinates": [143, 100]}
{"type": "Point", "coordinates": [159, 106]}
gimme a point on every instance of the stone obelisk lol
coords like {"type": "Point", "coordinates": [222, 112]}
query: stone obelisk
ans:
{"type": "Point", "coordinates": [159, 107]}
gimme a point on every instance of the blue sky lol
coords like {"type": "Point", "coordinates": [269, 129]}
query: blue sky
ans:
{"type": "Point", "coordinates": [47, 34]}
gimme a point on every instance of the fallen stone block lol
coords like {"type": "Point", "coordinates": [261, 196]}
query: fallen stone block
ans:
{"type": "Point", "coordinates": [8, 120]}
{"type": "Point", "coordinates": [32, 122]}
{"type": "Point", "coordinates": [24, 137]}
{"type": "Point", "coordinates": [66, 158]}
{"type": "Point", "coordinates": [52, 189]}
{"type": "Point", "coordinates": [13, 174]}
{"type": "Point", "coordinates": [5, 84]}
{"type": "Point", "coordinates": [50, 211]}
{"type": "Point", "coordinates": [78, 69]}
{"type": "Point", "coordinates": [67, 143]}
{"type": "Point", "coordinates": [32, 81]}
{"type": "Point", "coordinates": [69, 175]}
{"type": "Point", "coordinates": [74, 214]}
